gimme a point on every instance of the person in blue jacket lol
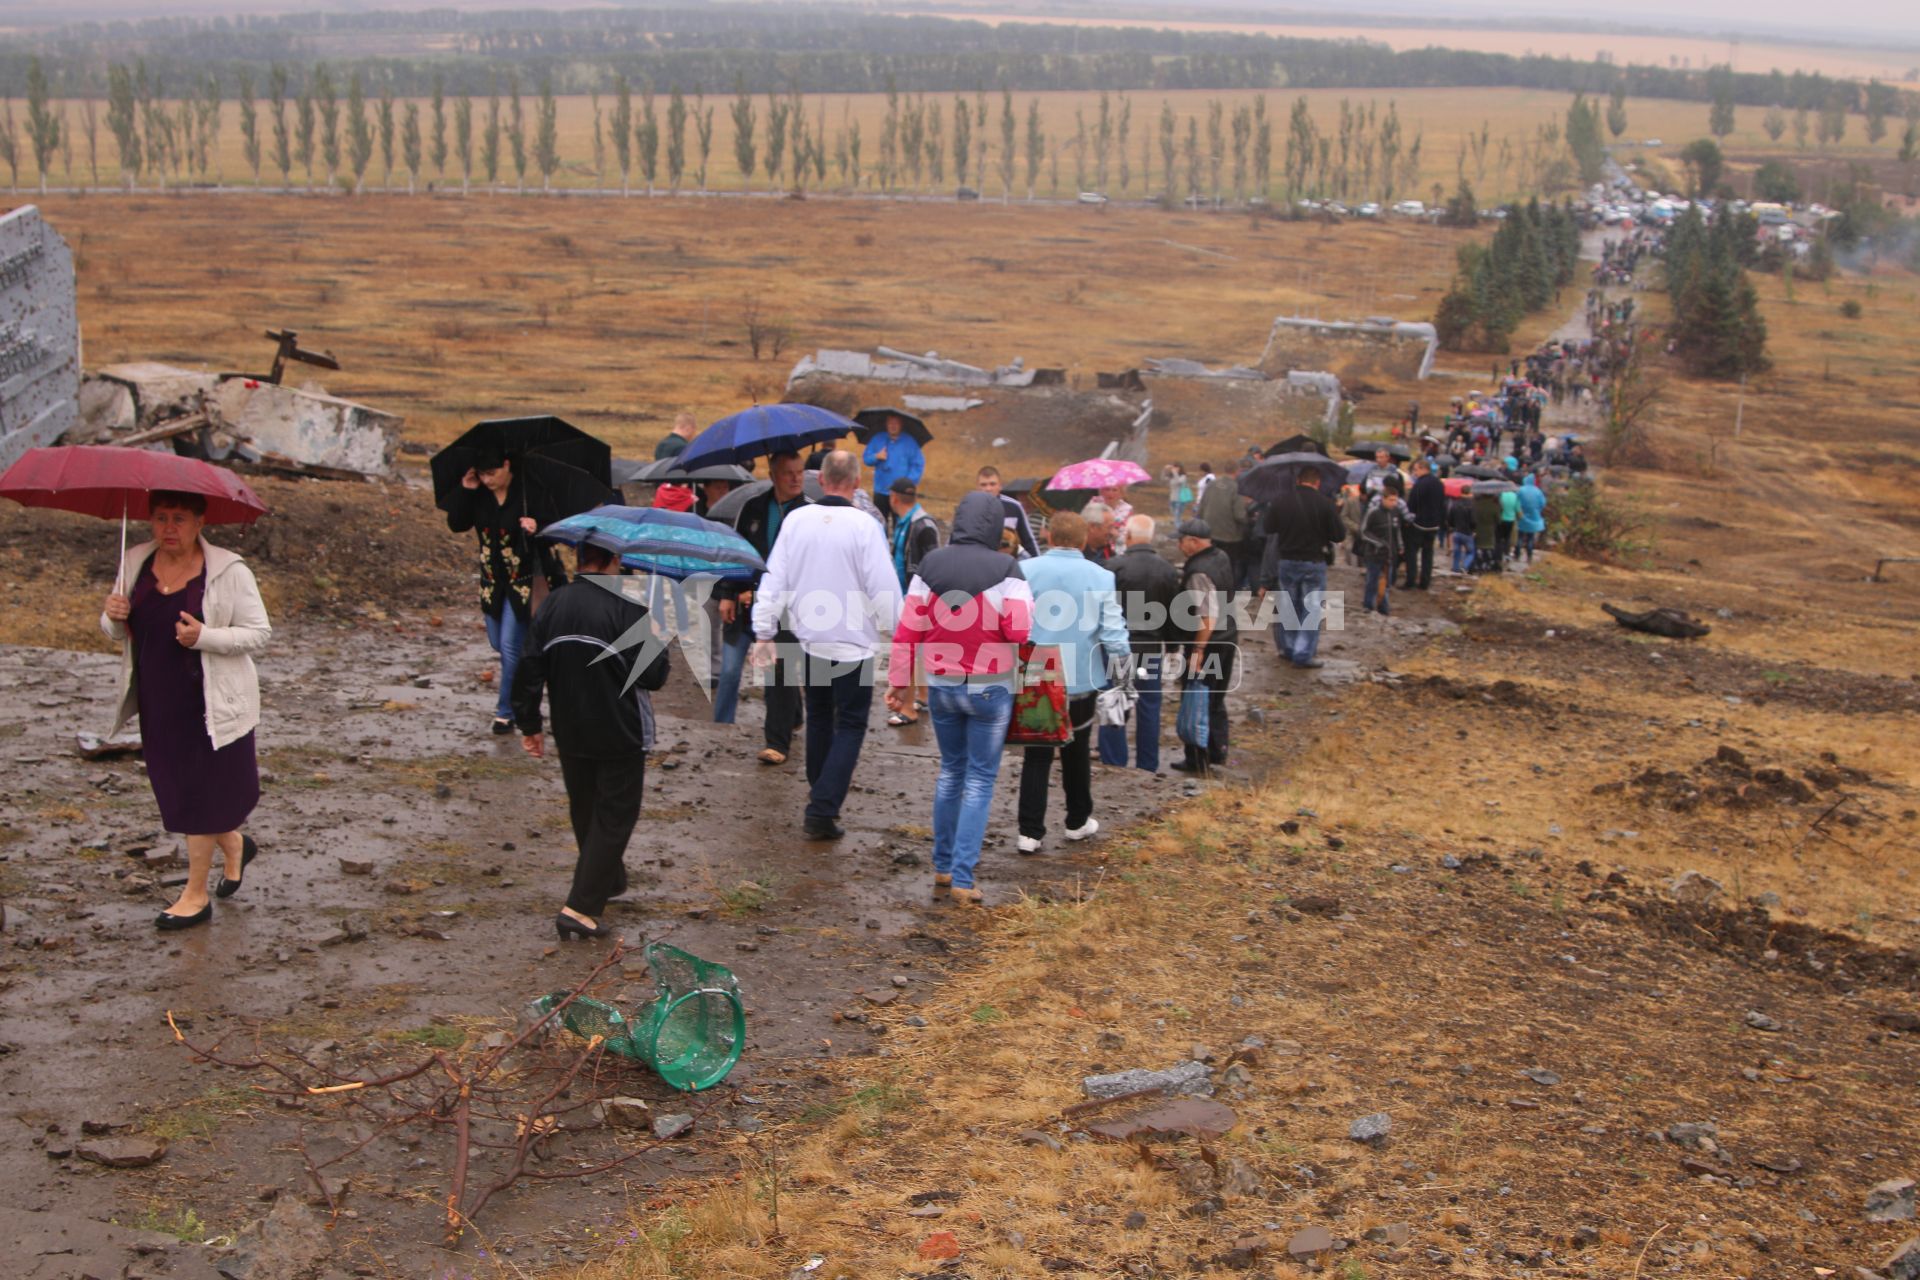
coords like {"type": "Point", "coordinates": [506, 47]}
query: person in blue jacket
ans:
{"type": "Point", "coordinates": [893, 455]}
{"type": "Point", "coordinates": [1533, 516]}
{"type": "Point", "coordinates": [1076, 607]}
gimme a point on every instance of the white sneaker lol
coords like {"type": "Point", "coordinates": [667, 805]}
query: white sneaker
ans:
{"type": "Point", "coordinates": [1081, 833]}
{"type": "Point", "coordinates": [1027, 844]}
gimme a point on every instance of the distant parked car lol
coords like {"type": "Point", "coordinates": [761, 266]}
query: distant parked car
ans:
{"type": "Point", "coordinates": [1653, 142]}
{"type": "Point", "coordinates": [1092, 197]}
{"type": "Point", "coordinates": [966, 193]}
{"type": "Point", "coordinates": [1371, 209]}
{"type": "Point", "coordinates": [1411, 209]}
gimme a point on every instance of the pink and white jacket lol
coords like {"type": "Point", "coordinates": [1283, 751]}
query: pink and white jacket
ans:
{"type": "Point", "coordinates": [968, 609]}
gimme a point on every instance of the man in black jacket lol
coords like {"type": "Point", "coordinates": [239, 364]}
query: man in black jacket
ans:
{"type": "Point", "coordinates": [596, 657]}
{"type": "Point", "coordinates": [1426, 516]}
{"type": "Point", "coordinates": [759, 523]}
{"type": "Point", "coordinates": [1305, 527]}
{"type": "Point", "coordinates": [1209, 634]}
{"type": "Point", "coordinates": [1147, 586]}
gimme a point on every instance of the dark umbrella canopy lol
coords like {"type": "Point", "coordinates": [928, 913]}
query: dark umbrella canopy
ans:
{"type": "Point", "coordinates": [562, 468]}
{"type": "Point", "coordinates": [762, 431]}
{"type": "Point", "coordinates": [1367, 448]}
{"type": "Point", "coordinates": [669, 471]}
{"type": "Point", "coordinates": [1280, 473]}
{"type": "Point", "coordinates": [1296, 444]}
{"type": "Point", "coordinates": [728, 509]}
{"type": "Point", "coordinates": [868, 422]}
{"type": "Point", "coordinates": [1474, 471]}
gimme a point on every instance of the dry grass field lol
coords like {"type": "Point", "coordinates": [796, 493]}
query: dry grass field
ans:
{"type": "Point", "coordinates": [1462, 876]}
{"type": "Point", "coordinates": [1856, 60]}
{"type": "Point", "coordinates": [1444, 118]}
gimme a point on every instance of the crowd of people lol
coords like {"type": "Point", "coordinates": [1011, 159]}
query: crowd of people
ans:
{"type": "Point", "coordinates": [944, 620]}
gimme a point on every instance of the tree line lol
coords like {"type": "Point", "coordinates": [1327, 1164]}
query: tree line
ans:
{"type": "Point", "coordinates": [1530, 258]}
{"type": "Point", "coordinates": [778, 48]}
{"type": "Point", "coordinates": [325, 128]}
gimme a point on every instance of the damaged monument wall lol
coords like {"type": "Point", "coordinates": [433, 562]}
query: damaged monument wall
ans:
{"type": "Point", "coordinates": [1353, 351]}
{"type": "Point", "coordinates": [39, 335]}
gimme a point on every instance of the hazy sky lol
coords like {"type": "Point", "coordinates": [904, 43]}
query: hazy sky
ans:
{"type": "Point", "coordinates": [1894, 22]}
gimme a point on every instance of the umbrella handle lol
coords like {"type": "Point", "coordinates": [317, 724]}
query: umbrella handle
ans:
{"type": "Point", "coordinates": [120, 566]}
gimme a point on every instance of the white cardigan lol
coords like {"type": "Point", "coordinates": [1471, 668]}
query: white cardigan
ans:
{"type": "Point", "coordinates": [233, 628]}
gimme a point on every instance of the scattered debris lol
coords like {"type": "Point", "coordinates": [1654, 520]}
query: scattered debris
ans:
{"type": "Point", "coordinates": [1371, 1130]}
{"type": "Point", "coordinates": [131, 1152]}
{"type": "Point", "coordinates": [1891, 1201]}
{"type": "Point", "coordinates": [627, 1113]}
{"type": "Point", "coordinates": [667, 1128]}
{"type": "Point", "coordinates": [1194, 1117]}
{"type": "Point", "coordinates": [1670, 623]}
{"type": "Point", "coordinates": [1762, 1022]}
{"type": "Point", "coordinates": [1309, 1242]}
{"type": "Point", "coordinates": [1376, 347]}
{"type": "Point", "coordinates": [1190, 1078]}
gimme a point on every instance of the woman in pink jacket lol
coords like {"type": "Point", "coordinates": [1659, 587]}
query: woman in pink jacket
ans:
{"type": "Point", "coordinates": [968, 611]}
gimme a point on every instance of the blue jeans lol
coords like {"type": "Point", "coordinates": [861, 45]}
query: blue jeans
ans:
{"type": "Point", "coordinates": [1379, 579]}
{"type": "Point", "coordinates": [1179, 512]}
{"type": "Point", "coordinates": [1304, 584]}
{"type": "Point", "coordinates": [733, 665]}
{"type": "Point", "coordinates": [506, 634]}
{"type": "Point", "coordinates": [1527, 543]}
{"type": "Point", "coordinates": [839, 697]}
{"type": "Point", "coordinates": [1147, 676]}
{"type": "Point", "coordinates": [1462, 552]}
{"type": "Point", "coordinates": [970, 724]}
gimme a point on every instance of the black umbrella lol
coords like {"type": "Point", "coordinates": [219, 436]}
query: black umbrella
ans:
{"type": "Point", "coordinates": [1367, 448]}
{"type": "Point", "coordinates": [669, 471]}
{"type": "Point", "coordinates": [868, 421]}
{"type": "Point", "coordinates": [1474, 471]}
{"type": "Point", "coordinates": [1296, 444]}
{"type": "Point", "coordinates": [1281, 473]}
{"type": "Point", "coordinates": [728, 509]}
{"type": "Point", "coordinates": [563, 470]}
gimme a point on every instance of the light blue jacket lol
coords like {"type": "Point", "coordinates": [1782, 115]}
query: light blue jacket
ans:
{"type": "Point", "coordinates": [1533, 507]}
{"type": "Point", "coordinates": [1076, 607]}
{"type": "Point", "coordinates": [904, 459]}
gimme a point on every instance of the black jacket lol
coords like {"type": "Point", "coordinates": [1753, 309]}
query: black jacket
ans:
{"type": "Point", "coordinates": [754, 523]}
{"type": "Point", "coordinates": [1147, 585]}
{"type": "Point", "coordinates": [1381, 533]}
{"type": "Point", "coordinates": [1304, 524]}
{"type": "Point", "coordinates": [1218, 567]}
{"type": "Point", "coordinates": [1460, 516]}
{"type": "Point", "coordinates": [509, 555]}
{"type": "Point", "coordinates": [1427, 503]}
{"type": "Point", "coordinates": [596, 711]}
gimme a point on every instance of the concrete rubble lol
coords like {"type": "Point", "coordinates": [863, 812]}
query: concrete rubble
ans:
{"type": "Point", "coordinates": [889, 365]}
{"type": "Point", "coordinates": [231, 416]}
{"type": "Point", "coordinates": [1378, 346]}
{"type": "Point", "coordinates": [39, 335]}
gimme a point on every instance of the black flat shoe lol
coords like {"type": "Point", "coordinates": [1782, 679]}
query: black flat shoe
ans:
{"type": "Point", "coordinates": [567, 927]}
{"type": "Point", "coordinates": [822, 829]}
{"type": "Point", "coordinates": [248, 852]}
{"type": "Point", "coordinates": [167, 922]}
{"type": "Point", "coordinates": [501, 728]}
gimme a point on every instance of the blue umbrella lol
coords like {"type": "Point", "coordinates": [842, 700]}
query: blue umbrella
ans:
{"type": "Point", "coordinates": [672, 544]}
{"type": "Point", "coordinates": [762, 431]}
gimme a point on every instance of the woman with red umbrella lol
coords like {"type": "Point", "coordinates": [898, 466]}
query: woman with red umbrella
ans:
{"type": "Point", "coordinates": [189, 618]}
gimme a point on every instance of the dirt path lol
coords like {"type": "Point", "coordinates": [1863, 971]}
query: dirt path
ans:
{"type": "Point", "coordinates": [375, 749]}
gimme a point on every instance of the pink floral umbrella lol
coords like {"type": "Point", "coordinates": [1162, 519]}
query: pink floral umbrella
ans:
{"type": "Point", "coordinates": [1099, 473]}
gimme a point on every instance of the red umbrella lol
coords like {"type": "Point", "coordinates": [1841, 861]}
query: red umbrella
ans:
{"type": "Point", "coordinates": [114, 483]}
{"type": "Point", "coordinates": [109, 481]}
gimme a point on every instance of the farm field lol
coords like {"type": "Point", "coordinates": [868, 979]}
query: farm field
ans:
{"type": "Point", "coordinates": [1857, 60]}
{"type": "Point", "coordinates": [1442, 118]}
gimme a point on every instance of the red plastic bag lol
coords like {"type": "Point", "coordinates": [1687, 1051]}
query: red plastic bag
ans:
{"type": "Point", "coordinates": [1040, 702]}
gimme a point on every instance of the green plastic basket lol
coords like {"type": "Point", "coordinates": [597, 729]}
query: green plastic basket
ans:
{"type": "Point", "coordinates": [691, 1035]}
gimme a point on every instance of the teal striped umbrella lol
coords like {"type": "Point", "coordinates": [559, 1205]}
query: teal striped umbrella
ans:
{"type": "Point", "coordinates": [672, 544]}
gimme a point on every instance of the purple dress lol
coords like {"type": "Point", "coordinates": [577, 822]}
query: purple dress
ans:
{"type": "Point", "coordinates": [202, 792]}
